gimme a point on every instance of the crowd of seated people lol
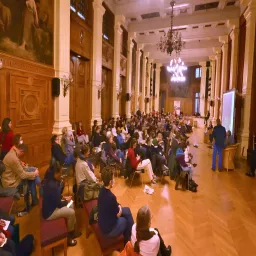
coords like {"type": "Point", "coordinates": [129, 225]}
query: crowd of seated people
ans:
{"type": "Point", "coordinates": [153, 143]}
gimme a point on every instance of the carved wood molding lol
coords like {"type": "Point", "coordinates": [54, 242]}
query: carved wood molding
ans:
{"type": "Point", "coordinates": [18, 64]}
{"type": "Point", "coordinates": [123, 63]}
{"type": "Point", "coordinates": [107, 55]}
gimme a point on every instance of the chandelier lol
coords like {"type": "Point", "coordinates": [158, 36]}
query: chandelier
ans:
{"type": "Point", "coordinates": [172, 40]}
{"type": "Point", "coordinates": [177, 68]}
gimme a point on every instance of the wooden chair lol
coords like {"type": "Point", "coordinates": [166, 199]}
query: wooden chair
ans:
{"type": "Point", "coordinates": [106, 244]}
{"type": "Point", "coordinates": [229, 154]}
{"type": "Point", "coordinates": [53, 233]}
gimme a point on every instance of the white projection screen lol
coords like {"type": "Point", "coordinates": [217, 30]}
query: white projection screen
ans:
{"type": "Point", "coordinates": [228, 110]}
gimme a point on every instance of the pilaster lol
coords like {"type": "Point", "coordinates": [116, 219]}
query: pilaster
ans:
{"type": "Point", "coordinates": [150, 61]}
{"type": "Point", "coordinates": [61, 62]}
{"type": "Point", "coordinates": [144, 79]}
{"type": "Point", "coordinates": [234, 35]}
{"type": "Point", "coordinates": [137, 76]}
{"type": "Point", "coordinates": [116, 90]}
{"type": "Point", "coordinates": [212, 98]}
{"type": "Point", "coordinates": [202, 88]}
{"type": "Point", "coordinates": [98, 12]}
{"type": "Point", "coordinates": [217, 83]}
{"type": "Point", "coordinates": [250, 16]}
{"type": "Point", "coordinates": [130, 46]}
{"type": "Point", "coordinates": [157, 86]}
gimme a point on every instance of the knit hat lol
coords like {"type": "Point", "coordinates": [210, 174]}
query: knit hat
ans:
{"type": "Point", "coordinates": [179, 152]}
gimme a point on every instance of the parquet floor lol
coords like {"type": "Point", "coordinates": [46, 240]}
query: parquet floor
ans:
{"type": "Point", "coordinates": [220, 219]}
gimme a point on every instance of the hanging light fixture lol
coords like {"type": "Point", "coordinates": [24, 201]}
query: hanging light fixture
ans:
{"type": "Point", "coordinates": [172, 40]}
{"type": "Point", "coordinates": [177, 68]}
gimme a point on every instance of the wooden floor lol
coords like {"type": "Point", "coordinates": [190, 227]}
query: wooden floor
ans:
{"type": "Point", "coordinates": [220, 219]}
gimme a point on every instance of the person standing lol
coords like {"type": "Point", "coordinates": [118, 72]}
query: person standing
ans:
{"type": "Point", "coordinates": [219, 137]}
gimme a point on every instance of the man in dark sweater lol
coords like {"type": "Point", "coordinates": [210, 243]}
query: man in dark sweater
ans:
{"type": "Point", "coordinates": [53, 207]}
{"type": "Point", "coordinates": [219, 136]}
{"type": "Point", "coordinates": [113, 219]}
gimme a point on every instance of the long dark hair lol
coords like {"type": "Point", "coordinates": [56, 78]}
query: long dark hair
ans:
{"type": "Point", "coordinates": [5, 125]}
{"type": "Point", "coordinates": [142, 227]}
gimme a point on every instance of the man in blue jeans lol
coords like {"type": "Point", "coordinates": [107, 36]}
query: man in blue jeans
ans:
{"type": "Point", "coordinates": [219, 136]}
{"type": "Point", "coordinates": [113, 219]}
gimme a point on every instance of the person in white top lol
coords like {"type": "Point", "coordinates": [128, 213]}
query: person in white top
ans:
{"type": "Point", "coordinates": [83, 171]}
{"type": "Point", "coordinates": [145, 240]}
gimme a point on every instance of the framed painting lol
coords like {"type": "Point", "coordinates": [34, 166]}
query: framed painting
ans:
{"type": "Point", "coordinates": [26, 29]}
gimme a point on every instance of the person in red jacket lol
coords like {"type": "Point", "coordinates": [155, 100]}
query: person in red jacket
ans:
{"type": "Point", "coordinates": [6, 137]}
{"type": "Point", "coordinates": [82, 137]}
{"type": "Point", "coordinates": [138, 164]}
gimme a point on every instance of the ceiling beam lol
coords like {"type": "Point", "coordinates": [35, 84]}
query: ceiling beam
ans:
{"type": "Point", "coordinates": [203, 17]}
{"type": "Point", "coordinates": [189, 34]}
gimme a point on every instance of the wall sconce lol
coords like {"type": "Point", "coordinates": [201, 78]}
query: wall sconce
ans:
{"type": "Point", "coordinates": [67, 82]}
{"type": "Point", "coordinates": [1, 63]}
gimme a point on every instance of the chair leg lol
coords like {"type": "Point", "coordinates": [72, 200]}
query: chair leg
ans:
{"type": "Point", "coordinates": [132, 178]}
{"type": "Point", "coordinates": [65, 248]}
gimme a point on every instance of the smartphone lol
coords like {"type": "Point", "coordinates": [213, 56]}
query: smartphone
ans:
{"type": "Point", "coordinates": [70, 203]}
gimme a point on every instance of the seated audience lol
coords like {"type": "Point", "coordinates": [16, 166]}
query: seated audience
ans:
{"type": "Point", "coordinates": [82, 137]}
{"type": "Point", "coordinates": [97, 138]}
{"type": "Point", "coordinates": [138, 164]}
{"type": "Point", "coordinates": [69, 143]}
{"type": "Point", "coordinates": [58, 153]}
{"type": "Point", "coordinates": [15, 176]}
{"type": "Point", "coordinates": [6, 137]}
{"type": "Point", "coordinates": [180, 157]}
{"type": "Point", "coordinates": [17, 140]}
{"type": "Point", "coordinates": [53, 207]}
{"type": "Point", "coordinates": [9, 248]}
{"type": "Point", "coordinates": [229, 139]}
{"type": "Point", "coordinates": [113, 219]}
{"type": "Point", "coordinates": [115, 155]}
{"type": "Point", "coordinates": [146, 240]}
{"type": "Point", "coordinates": [83, 170]}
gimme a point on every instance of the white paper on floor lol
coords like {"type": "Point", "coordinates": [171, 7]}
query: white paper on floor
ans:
{"type": "Point", "coordinates": [148, 190]}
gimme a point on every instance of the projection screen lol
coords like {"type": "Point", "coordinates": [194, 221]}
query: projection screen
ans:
{"type": "Point", "coordinates": [228, 110]}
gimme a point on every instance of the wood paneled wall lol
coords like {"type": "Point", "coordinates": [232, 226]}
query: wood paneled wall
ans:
{"type": "Point", "coordinates": [25, 97]}
{"type": "Point", "coordinates": [183, 92]}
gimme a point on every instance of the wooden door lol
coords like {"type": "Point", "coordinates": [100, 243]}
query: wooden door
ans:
{"type": "Point", "coordinates": [80, 92]}
{"type": "Point", "coordinates": [106, 94]}
{"type": "Point", "coordinates": [122, 99]}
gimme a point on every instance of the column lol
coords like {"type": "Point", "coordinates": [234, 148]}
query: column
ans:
{"type": "Point", "coordinates": [224, 72]}
{"type": "Point", "coordinates": [213, 67]}
{"type": "Point", "coordinates": [217, 83]}
{"type": "Point", "coordinates": [131, 36]}
{"type": "Point", "coordinates": [250, 15]}
{"type": "Point", "coordinates": [234, 35]}
{"type": "Point", "coordinates": [137, 76]}
{"type": "Point", "coordinates": [202, 88]}
{"type": "Point", "coordinates": [144, 79]}
{"type": "Point", "coordinates": [157, 86]}
{"type": "Point", "coordinates": [119, 20]}
{"type": "Point", "coordinates": [150, 61]}
{"type": "Point", "coordinates": [151, 99]}
{"type": "Point", "coordinates": [98, 11]}
{"type": "Point", "coordinates": [61, 62]}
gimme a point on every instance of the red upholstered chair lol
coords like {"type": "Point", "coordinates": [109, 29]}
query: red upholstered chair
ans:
{"type": "Point", "coordinates": [129, 250]}
{"type": "Point", "coordinates": [53, 233]}
{"type": "Point", "coordinates": [107, 245]}
{"type": "Point", "coordinates": [6, 204]}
